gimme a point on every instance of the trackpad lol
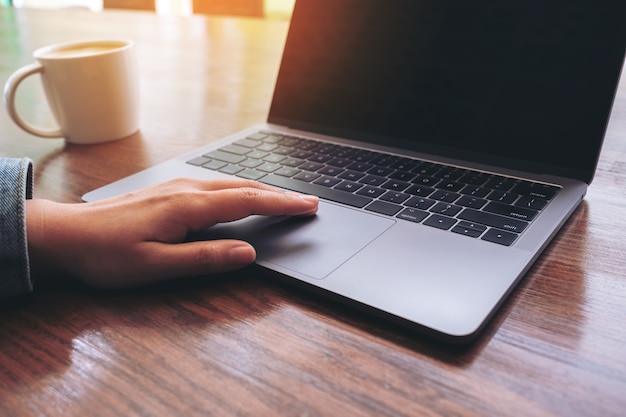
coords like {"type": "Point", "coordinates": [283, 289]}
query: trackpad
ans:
{"type": "Point", "coordinates": [314, 246]}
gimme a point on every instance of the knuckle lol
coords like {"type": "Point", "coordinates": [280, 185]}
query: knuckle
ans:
{"type": "Point", "coordinates": [248, 194]}
{"type": "Point", "coordinates": [206, 257]}
{"type": "Point", "coordinates": [178, 183]}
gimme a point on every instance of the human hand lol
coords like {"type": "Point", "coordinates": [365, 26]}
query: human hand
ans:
{"type": "Point", "coordinates": [138, 238]}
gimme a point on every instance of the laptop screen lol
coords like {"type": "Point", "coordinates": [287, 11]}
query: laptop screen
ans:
{"type": "Point", "coordinates": [529, 82]}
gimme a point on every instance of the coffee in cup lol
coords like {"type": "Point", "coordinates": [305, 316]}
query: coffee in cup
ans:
{"type": "Point", "coordinates": [91, 88]}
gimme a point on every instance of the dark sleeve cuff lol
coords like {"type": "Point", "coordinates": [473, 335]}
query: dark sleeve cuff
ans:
{"type": "Point", "coordinates": [16, 185]}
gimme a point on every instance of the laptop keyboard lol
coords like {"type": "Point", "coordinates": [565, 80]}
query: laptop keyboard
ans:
{"type": "Point", "coordinates": [481, 205]}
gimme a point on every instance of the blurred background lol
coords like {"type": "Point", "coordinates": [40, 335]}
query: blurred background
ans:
{"type": "Point", "coordinates": [277, 9]}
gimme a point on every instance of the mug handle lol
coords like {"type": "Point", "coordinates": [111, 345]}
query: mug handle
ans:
{"type": "Point", "coordinates": [9, 101]}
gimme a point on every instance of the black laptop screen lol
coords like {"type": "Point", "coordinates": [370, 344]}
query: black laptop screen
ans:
{"type": "Point", "coordinates": [531, 81]}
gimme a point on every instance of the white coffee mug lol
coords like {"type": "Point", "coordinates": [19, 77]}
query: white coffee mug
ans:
{"type": "Point", "coordinates": [91, 88]}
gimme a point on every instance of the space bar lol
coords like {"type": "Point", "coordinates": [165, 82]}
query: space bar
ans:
{"type": "Point", "coordinates": [318, 190]}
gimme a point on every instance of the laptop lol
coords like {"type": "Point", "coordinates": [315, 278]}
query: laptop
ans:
{"type": "Point", "coordinates": [449, 140]}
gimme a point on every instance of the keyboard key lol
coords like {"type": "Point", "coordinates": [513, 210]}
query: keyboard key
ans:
{"type": "Point", "coordinates": [373, 180]}
{"type": "Point", "coordinates": [514, 212]}
{"type": "Point", "coordinates": [348, 186]}
{"type": "Point", "coordinates": [419, 203]}
{"type": "Point", "coordinates": [200, 160]}
{"type": "Point", "coordinates": [272, 137]}
{"type": "Point", "coordinates": [327, 181]}
{"type": "Point", "coordinates": [273, 157]}
{"type": "Point", "coordinates": [301, 154]}
{"type": "Point", "coordinates": [251, 174]}
{"type": "Point", "coordinates": [250, 163]}
{"type": "Point", "coordinates": [256, 154]}
{"type": "Point", "coordinates": [360, 166]}
{"type": "Point", "coordinates": [257, 137]}
{"type": "Point", "coordinates": [307, 145]}
{"type": "Point", "coordinates": [531, 203]}
{"type": "Point", "coordinates": [225, 157]}
{"type": "Point", "coordinates": [382, 207]}
{"type": "Point", "coordinates": [320, 158]}
{"type": "Point", "coordinates": [351, 175]}
{"type": "Point", "coordinates": [449, 174]}
{"type": "Point", "coordinates": [268, 167]}
{"type": "Point", "coordinates": [344, 152]}
{"type": "Point", "coordinates": [426, 169]}
{"type": "Point", "coordinates": [493, 220]}
{"type": "Point", "coordinates": [236, 149]}
{"type": "Point", "coordinates": [371, 191]}
{"type": "Point", "coordinates": [287, 171]}
{"type": "Point", "coordinates": [420, 190]}
{"type": "Point", "coordinates": [446, 209]}
{"type": "Point", "coordinates": [405, 164]}
{"type": "Point", "coordinates": [325, 148]}
{"type": "Point", "coordinates": [402, 176]}
{"type": "Point", "coordinates": [535, 190]}
{"type": "Point", "coordinates": [339, 162]}
{"type": "Point", "coordinates": [214, 164]}
{"type": "Point", "coordinates": [394, 197]}
{"type": "Point", "coordinates": [425, 180]}
{"type": "Point", "coordinates": [231, 169]}
{"type": "Point", "coordinates": [384, 160]}
{"type": "Point", "coordinates": [363, 156]}
{"type": "Point", "coordinates": [289, 141]}
{"type": "Point", "coordinates": [292, 162]}
{"type": "Point", "coordinates": [307, 176]}
{"type": "Point", "coordinates": [380, 171]}
{"type": "Point", "coordinates": [446, 196]}
{"type": "Point", "coordinates": [311, 166]}
{"type": "Point", "coordinates": [413, 215]}
{"type": "Point", "coordinates": [331, 171]}
{"type": "Point", "coordinates": [440, 222]}
{"type": "Point", "coordinates": [502, 197]}
{"type": "Point", "coordinates": [283, 150]}
{"type": "Point", "coordinates": [474, 191]}
{"type": "Point", "coordinates": [449, 186]}
{"type": "Point", "coordinates": [499, 236]}
{"type": "Point", "coordinates": [500, 183]}
{"type": "Point", "coordinates": [474, 178]}
{"type": "Point", "coordinates": [473, 202]}
{"type": "Point", "coordinates": [469, 229]}
{"type": "Point", "coordinates": [267, 147]}
{"type": "Point", "coordinates": [396, 185]}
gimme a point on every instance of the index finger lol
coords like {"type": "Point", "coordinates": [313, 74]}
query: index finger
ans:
{"type": "Point", "coordinates": [225, 205]}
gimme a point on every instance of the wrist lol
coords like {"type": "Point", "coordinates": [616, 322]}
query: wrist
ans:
{"type": "Point", "coordinates": [43, 247]}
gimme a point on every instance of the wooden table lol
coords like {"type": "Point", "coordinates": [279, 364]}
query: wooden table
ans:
{"type": "Point", "coordinates": [242, 344]}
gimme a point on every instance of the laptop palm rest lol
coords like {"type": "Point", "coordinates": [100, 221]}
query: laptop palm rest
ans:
{"type": "Point", "coordinates": [312, 246]}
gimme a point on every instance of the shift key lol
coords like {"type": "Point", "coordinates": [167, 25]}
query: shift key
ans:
{"type": "Point", "coordinates": [493, 220]}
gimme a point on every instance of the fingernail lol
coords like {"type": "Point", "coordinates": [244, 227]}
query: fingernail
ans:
{"type": "Point", "coordinates": [307, 197]}
{"type": "Point", "coordinates": [310, 198]}
{"type": "Point", "coordinates": [242, 255]}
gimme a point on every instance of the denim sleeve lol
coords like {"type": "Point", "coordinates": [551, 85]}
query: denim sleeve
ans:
{"type": "Point", "coordinates": [16, 184]}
